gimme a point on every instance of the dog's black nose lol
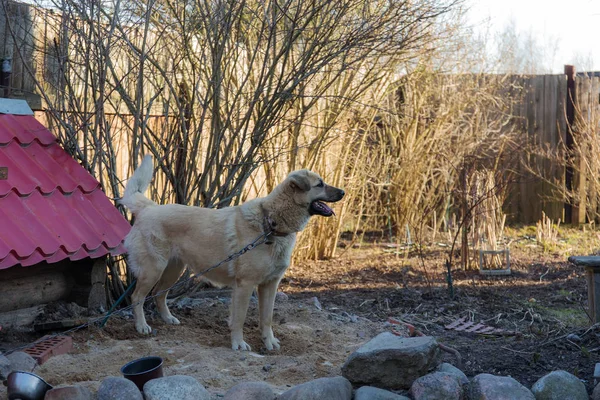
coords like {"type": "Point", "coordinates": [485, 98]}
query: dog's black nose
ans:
{"type": "Point", "coordinates": [342, 193]}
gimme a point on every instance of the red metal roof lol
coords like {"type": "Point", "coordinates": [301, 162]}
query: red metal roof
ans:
{"type": "Point", "coordinates": [51, 208]}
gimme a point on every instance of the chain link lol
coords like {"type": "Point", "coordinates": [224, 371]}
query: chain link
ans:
{"type": "Point", "coordinates": [257, 242]}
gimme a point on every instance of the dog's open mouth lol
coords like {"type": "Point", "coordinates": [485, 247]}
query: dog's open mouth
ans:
{"type": "Point", "coordinates": [320, 208]}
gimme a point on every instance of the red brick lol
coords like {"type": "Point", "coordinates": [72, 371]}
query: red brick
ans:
{"type": "Point", "coordinates": [50, 346]}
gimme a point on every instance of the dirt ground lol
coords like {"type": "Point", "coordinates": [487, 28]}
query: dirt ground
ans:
{"type": "Point", "coordinates": [332, 307]}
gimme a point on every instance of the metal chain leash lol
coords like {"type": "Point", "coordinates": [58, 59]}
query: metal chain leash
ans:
{"type": "Point", "coordinates": [257, 242]}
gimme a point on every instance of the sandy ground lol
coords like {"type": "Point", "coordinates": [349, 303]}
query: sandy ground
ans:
{"type": "Point", "coordinates": [315, 343]}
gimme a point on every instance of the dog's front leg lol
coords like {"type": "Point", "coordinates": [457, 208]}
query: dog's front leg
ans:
{"type": "Point", "coordinates": [266, 302]}
{"type": "Point", "coordinates": [240, 298]}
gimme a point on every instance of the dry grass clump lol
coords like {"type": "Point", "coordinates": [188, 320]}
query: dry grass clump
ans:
{"type": "Point", "coordinates": [547, 232]}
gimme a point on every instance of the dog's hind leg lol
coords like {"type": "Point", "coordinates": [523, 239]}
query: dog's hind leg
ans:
{"type": "Point", "coordinates": [147, 278]}
{"type": "Point", "coordinates": [266, 302]}
{"type": "Point", "coordinates": [168, 279]}
{"type": "Point", "coordinates": [240, 299]}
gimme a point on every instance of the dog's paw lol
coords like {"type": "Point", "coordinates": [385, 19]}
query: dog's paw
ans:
{"type": "Point", "coordinates": [144, 328]}
{"type": "Point", "coordinates": [240, 345]}
{"type": "Point", "coordinates": [271, 343]}
{"type": "Point", "coordinates": [171, 320]}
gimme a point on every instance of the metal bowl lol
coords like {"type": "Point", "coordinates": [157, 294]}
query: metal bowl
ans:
{"type": "Point", "coordinates": [26, 386]}
{"type": "Point", "coordinates": [142, 370]}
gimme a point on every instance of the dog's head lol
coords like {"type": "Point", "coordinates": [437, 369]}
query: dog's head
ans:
{"type": "Point", "coordinates": [309, 190]}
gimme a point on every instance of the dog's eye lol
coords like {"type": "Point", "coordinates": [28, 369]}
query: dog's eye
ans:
{"type": "Point", "coordinates": [320, 184]}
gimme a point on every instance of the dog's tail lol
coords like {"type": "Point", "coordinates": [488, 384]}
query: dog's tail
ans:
{"type": "Point", "coordinates": [134, 198]}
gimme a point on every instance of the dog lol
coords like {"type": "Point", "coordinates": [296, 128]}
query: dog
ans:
{"type": "Point", "coordinates": [166, 238]}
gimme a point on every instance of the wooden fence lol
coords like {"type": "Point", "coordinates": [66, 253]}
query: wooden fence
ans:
{"type": "Point", "coordinates": [551, 166]}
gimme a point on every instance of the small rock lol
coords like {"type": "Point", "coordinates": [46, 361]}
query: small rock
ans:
{"type": "Point", "coordinates": [315, 302]}
{"type": "Point", "coordinates": [280, 296]}
{"type": "Point", "coordinates": [116, 388]}
{"type": "Point", "coordinates": [392, 362]}
{"type": "Point", "coordinates": [20, 361]}
{"type": "Point", "coordinates": [176, 387]}
{"type": "Point", "coordinates": [337, 388]}
{"type": "Point", "coordinates": [491, 387]}
{"type": "Point", "coordinates": [451, 369]}
{"type": "Point", "coordinates": [4, 367]}
{"type": "Point", "coordinates": [267, 368]}
{"type": "Point", "coordinates": [250, 391]}
{"type": "Point", "coordinates": [559, 385]}
{"type": "Point", "coordinates": [573, 337]}
{"type": "Point", "coordinates": [69, 393]}
{"type": "Point", "coordinates": [437, 386]}
{"type": "Point", "coordinates": [373, 393]}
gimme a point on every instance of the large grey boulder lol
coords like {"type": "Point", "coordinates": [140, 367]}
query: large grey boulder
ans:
{"type": "Point", "coordinates": [337, 388]}
{"type": "Point", "coordinates": [69, 393]}
{"type": "Point", "coordinates": [176, 387]}
{"type": "Point", "coordinates": [21, 361]}
{"type": "Point", "coordinates": [559, 385]}
{"type": "Point", "coordinates": [451, 369]}
{"type": "Point", "coordinates": [373, 393]}
{"type": "Point", "coordinates": [437, 386]}
{"type": "Point", "coordinates": [392, 362]}
{"type": "Point", "coordinates": [491, 387]}
{"type": "Point", "coordinates": [116, 388]}
{"type": "Point", "coordinates": [250, 391]}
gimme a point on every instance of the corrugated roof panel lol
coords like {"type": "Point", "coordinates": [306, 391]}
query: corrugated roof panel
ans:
{"type": "Point", "coordinates": [35, 258]}
{"type": "Point", "coordinates": [23, 128]}
{"type": "Point", "coordinates": [20, 229]}
{"type": "Point", "coordinates": [43, 168]}
{"type": "Point", "coordinates": [8, 261]}
{"type": "Point", "coordinates": [71, 222]}
{"type": "Point", "coordinates": [50, 207]}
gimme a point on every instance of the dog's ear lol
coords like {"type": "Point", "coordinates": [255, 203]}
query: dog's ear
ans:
{"type": "Point", "coordinates": [299, 181]}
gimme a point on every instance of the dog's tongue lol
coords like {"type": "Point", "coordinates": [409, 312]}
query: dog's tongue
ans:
{"type": "Point", "coordinates": [322, 209]}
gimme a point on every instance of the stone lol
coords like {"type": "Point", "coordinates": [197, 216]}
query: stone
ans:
{"type": "Point", "coordinates": [21, 361]}
{"type": "Point", "coordinates": [596, 393]}
{"type": "Point", "coordinates": [5, 368]}
{"type": "Point", "coordinates": [451, 369]}
{"type": "Point", "coordinates": [373, 393]}
{"type": "Point", "coordinates": [491, 387]}
{"type": "Point", "coordinates": [69, 393]}
{"type": "Point", "coordinates": [559, 385]}
{"type": "Point", "coordinates": [437, 386]}
{"type": "Point", "coordinates": [337, 388]}
{"type": "Point", "coordinates": [392, 362]}
{"type": "Point", "coordinates": [116, 388]}
{"type": "Point", "coordinates": [176, 387]}
{"type": "Point", "coordinates": [281, 296]}
{"type": "Point", "coordinates": [250, 391]}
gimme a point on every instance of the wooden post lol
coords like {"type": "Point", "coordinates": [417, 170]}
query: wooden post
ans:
{"type": "Point", "coordinates": [570, 112]}
{"type": "Point", "coordinates": [595, 299]}
{"type": "Point", "coordinates": [592, 277]}
{"type": "Point", "coordinates": [97, 297]}
{"type": "Point", "coordinates": [574, 214]}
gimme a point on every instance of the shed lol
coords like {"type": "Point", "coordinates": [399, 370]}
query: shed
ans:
{"type": "Point", "coordinates": [56, 224]}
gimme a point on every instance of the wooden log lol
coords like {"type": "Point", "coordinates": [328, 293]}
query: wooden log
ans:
{"type": "Point", "coordinates": [34, 289]}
